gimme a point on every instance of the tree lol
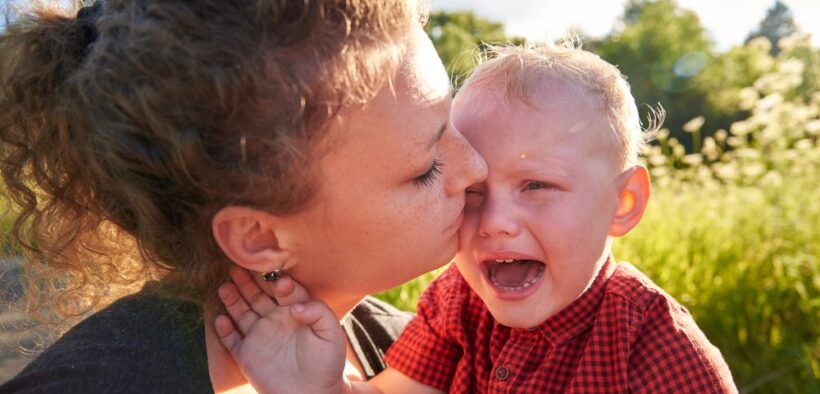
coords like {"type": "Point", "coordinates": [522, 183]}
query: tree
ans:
{"type": "Point", "coordinates": [777, 24]}
{"type": "Point", "coordinates": [5, 17]}
{"type": "Point", "coordinates": [661, 48]}
{"type": "Point", "coordinates": [460, 36]}
{"type": "Point", "coordinates": [725, 79]}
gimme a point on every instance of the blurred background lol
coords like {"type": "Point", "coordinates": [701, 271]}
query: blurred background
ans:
{"type": "Point", "coordinates": [733, 228]}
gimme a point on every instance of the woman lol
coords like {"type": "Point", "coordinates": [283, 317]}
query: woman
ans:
{"type": "Point", "coordinates": [164, 140]}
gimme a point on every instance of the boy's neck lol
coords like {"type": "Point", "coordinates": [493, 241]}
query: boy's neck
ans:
{"type": "Point", "coordinates": [599, 266]}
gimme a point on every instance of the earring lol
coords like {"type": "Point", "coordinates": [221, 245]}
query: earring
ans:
{"type": "Point", "coordinates": [272, 276]}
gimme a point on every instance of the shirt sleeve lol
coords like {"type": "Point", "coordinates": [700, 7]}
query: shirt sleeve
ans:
{"type": "Point", "coordinates": [428, 350]}
{"type": "Point", "coordinates": [671, 354]}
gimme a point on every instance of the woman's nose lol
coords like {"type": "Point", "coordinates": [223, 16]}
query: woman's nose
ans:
{"type": "Point", "coordinates": [470, 167]}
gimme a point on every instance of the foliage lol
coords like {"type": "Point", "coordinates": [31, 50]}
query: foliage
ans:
{"type": "Point", "coordinates": [669, 60]}
{"type": "Point", "coordinates": [777, 24]}
{"type": "Point", "coordinates": [733, 233]}
{"type": "Point", "coordinates": [458, 35]}
{"type": "Point", "coordinates": [732, 228]}
{"type": "Point", "coordinates": [660, 48]}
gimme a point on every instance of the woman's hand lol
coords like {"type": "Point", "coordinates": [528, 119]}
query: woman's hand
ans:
{"type": "Point", "coordinates": [279, 348]}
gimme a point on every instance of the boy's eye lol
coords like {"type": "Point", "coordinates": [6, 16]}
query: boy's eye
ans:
{"type": "Point", "coordinates": [429, 177]}
{"type": "Point", "coordinates": [474, 197]}
{"type": "Point", "coordinates": [474, 190]}
{"type": "Point", "coordinates": [536, 185]}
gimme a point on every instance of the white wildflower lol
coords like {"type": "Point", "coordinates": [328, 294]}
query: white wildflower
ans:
{"type": "Point", "coordinates": [662, 135]}
{"type": "Point", "coordinates": [748, 97]}
{"type": "Point", "coordinates": [693, 159]}
{"type": "Point", "coordinates": [748, 153]}
{"type": "Point", "coordinates": [762, 44]}
{"type": "Point", "coordinates": [678, 150]}
{"type": "Point", "coordinates": [694, 125]}
{"type": "Point", "coordinates": [720, 135]}
{"type": "Point", "coordinates": [804, 144]}
{"type": "Point", "coordinates": [710, 149]}
{"type": "Point", "coordinates": [813, 127]}
{"type": "Point", "coordinates": [753, 170]}
{"type": "Point", "coordinates": [741, 128]}
{"type": "Point", "coordinates": [791, 66]}
{"type": "Point", "coordinates": [769, 102]}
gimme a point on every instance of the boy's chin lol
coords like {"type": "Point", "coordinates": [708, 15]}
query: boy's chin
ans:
{"type": "Point", "coordinates": [514, 321]}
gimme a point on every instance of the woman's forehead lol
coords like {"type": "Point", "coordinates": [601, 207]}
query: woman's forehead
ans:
{"type": "Point", "coordinates": [421, 71]}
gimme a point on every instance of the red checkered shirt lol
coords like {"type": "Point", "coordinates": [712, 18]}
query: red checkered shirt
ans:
{"type": "Point", "coordinates": [624, 334]}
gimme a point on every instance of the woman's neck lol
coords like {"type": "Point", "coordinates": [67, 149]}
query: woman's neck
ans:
{"type": "Point", "coordinates": [341, 305]}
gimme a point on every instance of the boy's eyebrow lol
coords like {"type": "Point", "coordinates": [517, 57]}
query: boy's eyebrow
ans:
{"type": "Point", "coordinates": [539, 169]}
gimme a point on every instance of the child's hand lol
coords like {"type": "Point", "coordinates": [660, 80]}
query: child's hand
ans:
{"type": "Point", "coordinates": [281, 349]}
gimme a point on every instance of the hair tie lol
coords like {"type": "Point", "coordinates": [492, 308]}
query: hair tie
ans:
{"type": "Point", "coordinates": [87, 21]}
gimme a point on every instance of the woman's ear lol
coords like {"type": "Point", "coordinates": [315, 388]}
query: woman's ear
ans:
{"type": "Point", "coordinates": [633, 195]}
{"type": "Point", "coordinates": [249, 237]}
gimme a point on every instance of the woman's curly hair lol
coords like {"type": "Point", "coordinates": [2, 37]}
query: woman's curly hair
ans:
{"type": "Point", "coordinates": [118, 147]}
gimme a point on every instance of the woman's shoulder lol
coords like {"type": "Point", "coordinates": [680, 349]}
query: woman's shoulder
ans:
{"type": "Point", "coordinates": [371, 328]}
{"type": "Point", "coordinates": [143, 342]}
{"type": "Point", "coordinates": [382, 322]}
{"type": "Point", "coordinates": [373, 307]}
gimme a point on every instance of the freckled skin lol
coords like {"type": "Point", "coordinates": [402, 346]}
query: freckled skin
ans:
{"type": "Point", "coordinates": [373, 227]}
{"type": "Point", "coordinates": [550, 193]}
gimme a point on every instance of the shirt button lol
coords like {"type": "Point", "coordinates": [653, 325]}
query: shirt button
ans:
{"type": "Point", "coordinates": [502, 373]}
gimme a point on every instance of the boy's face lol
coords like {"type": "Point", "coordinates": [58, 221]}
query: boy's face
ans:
{"type": "Point", "coordinates": [536, 231]}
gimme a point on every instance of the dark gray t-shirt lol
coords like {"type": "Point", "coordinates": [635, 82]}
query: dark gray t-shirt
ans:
{"type": "Point", "coordinates": [145, 343]}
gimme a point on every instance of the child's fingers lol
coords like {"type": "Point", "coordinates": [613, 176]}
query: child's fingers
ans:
{"type": "Point", "coordinates": [260, 302]}
{"type": "Point", "coordinates": [228, 336]}
{"type": "Point", "coordinates": [286, 290]}
{"type": "Point", "coordinates": [238, 310]}
{"type": "Point", "coordinates": [320, 318]}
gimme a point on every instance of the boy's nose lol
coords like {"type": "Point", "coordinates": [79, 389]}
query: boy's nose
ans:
{"type": "Point", "coordinates": [497, 220]}
{"type": "Point", "coordinates": [470, 166]}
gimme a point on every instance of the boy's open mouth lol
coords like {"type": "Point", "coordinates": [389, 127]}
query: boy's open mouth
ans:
{"type": "Point", "coordinates": [513, 274]}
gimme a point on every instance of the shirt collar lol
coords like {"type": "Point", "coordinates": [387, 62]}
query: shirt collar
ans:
{"type": "Point", "coordinates": [578, 315]}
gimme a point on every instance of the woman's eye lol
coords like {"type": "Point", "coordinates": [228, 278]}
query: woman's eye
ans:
{"type": "Point", "coordinates": [431, 176]}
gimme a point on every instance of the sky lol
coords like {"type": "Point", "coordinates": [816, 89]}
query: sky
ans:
{"type": "Point", "coordinates": [728, 21]}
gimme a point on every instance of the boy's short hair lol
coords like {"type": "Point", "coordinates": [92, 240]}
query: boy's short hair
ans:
{"type": "Point", "coordinates": [523, 70]}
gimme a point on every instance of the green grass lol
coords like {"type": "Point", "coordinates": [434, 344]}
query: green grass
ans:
{"type": "Point", "coordinates": [744, 261]}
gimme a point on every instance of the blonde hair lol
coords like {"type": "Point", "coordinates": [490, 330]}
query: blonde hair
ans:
{"type": "Point", "coordinates": [118, 144]}
{"type": "Point", "coordinates": [520, 71]}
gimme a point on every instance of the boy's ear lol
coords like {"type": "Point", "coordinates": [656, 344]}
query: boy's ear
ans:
{"type": "Point", "coordinates": [249, 238]}
{"type": "Point", "coordinates": [633, 195]}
